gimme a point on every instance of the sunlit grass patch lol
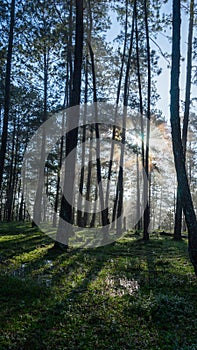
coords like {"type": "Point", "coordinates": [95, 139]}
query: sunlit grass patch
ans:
{"type": "Point", "coordinates": [11, 237]}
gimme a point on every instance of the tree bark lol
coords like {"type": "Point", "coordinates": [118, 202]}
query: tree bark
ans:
{"type": "Point", "coordinates": [61, 146]}
{"type": "Point", "coordinates": [80, 219]}
{"type": "Point", "coordinates": [139, 86]}
{"type": "Point", "coordinates": [116, 111]}
{"type": "Point", "coordinates": [88, 182]}
{"type": "Point", "coordinates": [178, 151]}
{"type": "Point", "coordinates": [178, 214]}
{"type": "Point", "coordinates": [138, 208]}
{"type": "Point", "coordinates": [7, 94]}
{"type": "Point", "coordinates": [66, 211]}
{"type": "Point", "coordinates": [37, 210]}
{"type": "Point", "coordinates": [104, 213]}
{"type": "Point", "coordinates": [118, 203]}
{"type": "Point", "coordinates": [9, 192]}
{"type": "Point", "coordinates": [146, 187]}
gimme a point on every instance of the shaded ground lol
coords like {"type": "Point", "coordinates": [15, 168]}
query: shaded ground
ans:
{"type": "Point", "coordinates": [128, 295]}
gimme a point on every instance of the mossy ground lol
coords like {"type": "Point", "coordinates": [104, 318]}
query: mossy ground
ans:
{"type": "Point", "coordinates": [128, 295]}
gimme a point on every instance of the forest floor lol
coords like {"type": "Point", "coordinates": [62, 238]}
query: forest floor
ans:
{"type": "Point", "coordinates": [128, 295]}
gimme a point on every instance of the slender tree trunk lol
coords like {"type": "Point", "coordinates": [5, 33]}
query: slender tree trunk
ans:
{"type": "Point", "coordinates": [146, 187]}
{"type": "Point", "coordinates": [22, 204]}
{"type": "Point", "coordinates": [126, 96]}
{"type": "Point", "coordinates": [37, 211]}
{"type": "Point", "coordinates": [93, 220]}
{"type": "Point", "coordinates": [82, 174]}
{"type": "Point", "coordinates": [138, 211]}
{"type": "Point", "coordinates": [88, 182]}
{"type": "Point", "coordinates": [178, 213]}
{"type": "Point", "coordinates": [178, 217]}
{"type": "Point", "coordinates": [140, 100]}
{"type": "Point", "coordinates": [139, 87]}
{"type": "Point", "coordinates": [160, 207]}
{"type": "Point", "coordinates": [85, 219]}
{"type": "Point", "coordinates": [188, 79]}
{"type": "Point", "coordinates": [105, 220]}
{"type": "Point", "coordinates": [116, 111]}
{"type": "Point", "coordinates": [15, 174]}
{"type": "Point", "coordinates": [178, 151]}
{"type": "Point", "coordinates": [67, 103]}
{"type": "Point", "coordinates": [7, 94]}
{"type": "Point", "coordinates": [20, 215]}
{"type": "Point", "coordinates": [58, 174]}
{"type": "Point", "coordinates": [70, 44]}
{"type": "Point", "coordinates": [115, 206]}
{"type": "Point", "coordinates": [10, 181]}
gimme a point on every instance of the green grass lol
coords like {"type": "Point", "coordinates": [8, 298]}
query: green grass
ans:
{"type": "Point", "coordinates": [128, 295]}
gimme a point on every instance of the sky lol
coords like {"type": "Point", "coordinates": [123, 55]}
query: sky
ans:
{"type": "Point", "coordinates": [163, 81]}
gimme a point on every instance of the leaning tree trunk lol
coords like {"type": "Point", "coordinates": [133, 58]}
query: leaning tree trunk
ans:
{"type": "Point", "coordinates": [178, 214]}
{"type": "Point", "coordinates": [178, 151]}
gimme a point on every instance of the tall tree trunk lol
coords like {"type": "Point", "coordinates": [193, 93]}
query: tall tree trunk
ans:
{"type": "Point", "coordinates": [118, 203]}
{"type": "Point", "coordinates": [178, 213]}
{"type": "Point", "coordinates": [139, 86]}
{"type": "Point", "coordinates": [37, 210]}
{"type": "Point", "coordinates": [84, 220]}
{"type": "Point", "coordinates": [126, 97]}
{"type": "Point", "coordinates": [140, 100]}
{"type": "Point", "coordinates": [88, 182]}
{"type": "Point", "coordinates": [116, 112]}
{"type": "Point", "coordinates": [178, 151]}
{"type": "Point", "coordinates": [9, 191]}
{"type": "Point", "coordinates": [82, 174]}
{"type": "Point", "coordinates": [69, 56]}
{"type": "Point", "coordinates": [66, 211]}
{"type": "Point", "coordinates": [15, 174]}
{"type": "Point", "coordinates": [66, 104]}
{"type": "Point", "coordinates": [61, 146]}
{"type": "Point", "coordinates": [104, 217]}
{"type": "Point", "coordinates": [138, 209]}
{"type": "Point", "coordinates": [146, 187]}
{"type": "Point", "coordinates": [7, 93]}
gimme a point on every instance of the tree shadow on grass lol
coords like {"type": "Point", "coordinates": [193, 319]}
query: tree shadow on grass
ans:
{"type": "Point", "coordinates": [45, 306]}
{"type": "Point", "coordinates": [24, 241]}
{"type": "Point", "coordinates": [15, 228]}
{"type": "Point", "coordinates": [66, 313]}
{"type": "Point", "coordinates": [167, 298]}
